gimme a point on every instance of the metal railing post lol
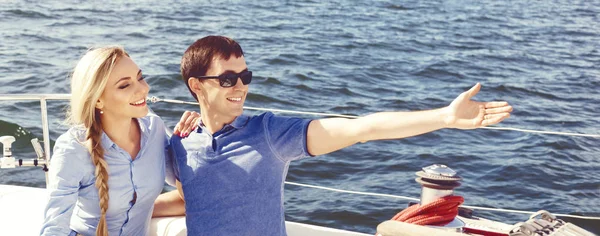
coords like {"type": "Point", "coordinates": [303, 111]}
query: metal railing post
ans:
{"type": "Point", "coordinates": [46, 134]}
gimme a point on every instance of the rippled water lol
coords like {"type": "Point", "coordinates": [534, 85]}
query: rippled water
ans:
{"type": "Point", "coordinates": [356, 58]}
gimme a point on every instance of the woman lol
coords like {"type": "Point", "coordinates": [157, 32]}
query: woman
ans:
{"type": "Point", "coordinates": [107, 170]}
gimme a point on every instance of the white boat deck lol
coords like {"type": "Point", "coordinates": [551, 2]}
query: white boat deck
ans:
{"type": "Point", "coordinates": [22, 213]}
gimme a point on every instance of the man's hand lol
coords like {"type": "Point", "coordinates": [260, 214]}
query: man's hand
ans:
{"type": "Point", "coordinates": [463, 113]}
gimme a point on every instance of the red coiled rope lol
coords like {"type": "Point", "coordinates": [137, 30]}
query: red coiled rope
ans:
{"type": "Point", "coordinates": [438, 212]}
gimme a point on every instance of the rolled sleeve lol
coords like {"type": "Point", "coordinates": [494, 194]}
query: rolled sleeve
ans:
{"type": "Point", "coordinates": [287, 136]}
{"type": "Point", "coordinates": [65, 176]}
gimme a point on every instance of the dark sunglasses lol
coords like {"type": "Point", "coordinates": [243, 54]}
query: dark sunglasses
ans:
{"type": "Point", "coordinates": [227, 80]}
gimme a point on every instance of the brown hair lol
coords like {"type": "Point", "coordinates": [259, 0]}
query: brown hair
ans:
{"type": "Point", "coordinates": [87, 84]}
{"type": "Point", "coordinates": [199, 56]}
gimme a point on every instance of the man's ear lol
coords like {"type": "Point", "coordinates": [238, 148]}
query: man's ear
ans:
{"type": "Point", "coordinates": [195, 85]}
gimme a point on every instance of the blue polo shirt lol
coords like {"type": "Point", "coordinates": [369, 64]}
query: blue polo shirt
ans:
{"type": "Point", "coordinates": [233, 180]}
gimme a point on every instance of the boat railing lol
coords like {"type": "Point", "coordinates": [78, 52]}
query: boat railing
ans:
{"type": "Point", "coordinates": [43, 98]}
{"type": "Point", "coordinates": [43, 158]}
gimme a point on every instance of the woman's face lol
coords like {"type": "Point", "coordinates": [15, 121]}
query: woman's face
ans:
{"type": "Point", "coordinates": [125, 93]}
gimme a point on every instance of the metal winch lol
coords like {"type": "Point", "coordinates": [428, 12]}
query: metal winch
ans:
{"type": "Point", "coordinates": [7, 160]}
{"type": "Point", "coordinates": [438, 181]}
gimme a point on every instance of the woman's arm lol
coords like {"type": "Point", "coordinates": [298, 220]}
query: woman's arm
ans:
{"type": "Point", "coordinates": [170, 203]}
{"type": "Point", "coordinates": [65, 175]}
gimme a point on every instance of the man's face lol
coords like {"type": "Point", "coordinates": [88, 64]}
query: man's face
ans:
{"type": "Point", "coordinates": [225, 104]}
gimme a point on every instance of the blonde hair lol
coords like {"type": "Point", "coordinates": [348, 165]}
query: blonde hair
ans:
{"type": "Point", "coordinates": [87, 84]}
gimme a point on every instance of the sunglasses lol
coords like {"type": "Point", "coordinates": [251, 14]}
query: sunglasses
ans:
{"type": "Point", "coordinates": [227, 80]}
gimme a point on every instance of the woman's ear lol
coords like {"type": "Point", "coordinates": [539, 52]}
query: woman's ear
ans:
{"type": "Point", "coordinates": [99, 104]}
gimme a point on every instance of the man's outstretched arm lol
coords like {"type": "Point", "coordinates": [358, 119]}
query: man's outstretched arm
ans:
{"type": "Point", "coordinates": [332, 134]}
{"type": "Point", "coordinates": [170, 203]}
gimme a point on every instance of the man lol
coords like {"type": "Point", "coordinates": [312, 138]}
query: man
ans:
{"type": "Point", "coordinates": [232, 170]}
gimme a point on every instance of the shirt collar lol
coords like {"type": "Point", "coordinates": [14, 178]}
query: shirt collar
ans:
{"type": "Point", "coordinates": [106, 142]}
{"type": "Point", "coordinates": [238, 123]}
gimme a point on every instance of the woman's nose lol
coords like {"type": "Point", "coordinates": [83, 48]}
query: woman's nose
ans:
{"type": "Point", "coordinates": [143, 87]}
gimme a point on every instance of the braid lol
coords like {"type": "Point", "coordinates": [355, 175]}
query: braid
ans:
{"type": "Point", "coordinates": [87, 86]}
{"type": "Point", "coordinates": [97, 152]}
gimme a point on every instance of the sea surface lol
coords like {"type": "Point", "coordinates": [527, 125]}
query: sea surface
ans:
{"type": "Point", "coordinates": [353, 57]}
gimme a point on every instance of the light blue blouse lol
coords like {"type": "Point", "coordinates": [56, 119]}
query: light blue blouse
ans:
{"type": "Point", "coordinates": [73, 202]}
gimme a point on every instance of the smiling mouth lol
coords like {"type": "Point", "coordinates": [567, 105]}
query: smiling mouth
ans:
{"type": "Point", "coordinates": [238, 99]}
{"type": "Point", "coordinates": [141, 102]}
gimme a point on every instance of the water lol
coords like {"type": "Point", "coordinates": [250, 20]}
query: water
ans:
{"type": "Point", "coordinates": [355, 58]}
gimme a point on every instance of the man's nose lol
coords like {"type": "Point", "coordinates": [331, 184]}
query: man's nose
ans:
{"type": "Point", "coordinates": [239, 83]}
